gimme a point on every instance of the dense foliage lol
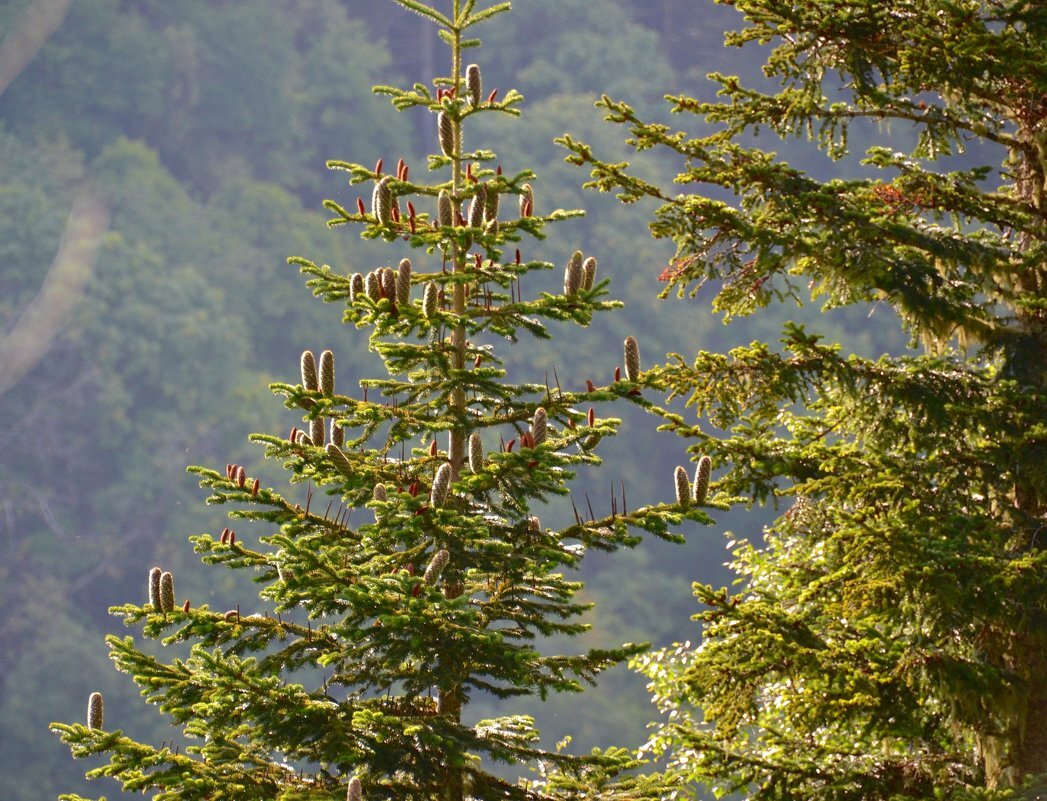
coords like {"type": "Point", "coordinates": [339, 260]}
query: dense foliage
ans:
{"type": "Point", "coordinates": [889, 638]}
{"type": "Point", "coordinates": [353, 671]}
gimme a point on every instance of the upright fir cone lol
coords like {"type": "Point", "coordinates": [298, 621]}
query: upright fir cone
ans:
{"type": "Point", "coordinates": [382, 200]}
{"type": "Point", "coordinates": [167, 592]}
{"type": "Point", "coordinates": [154, 589]}
{"type": "Point", "coordinates": [527, 201]}
{"type": "Point", "coordinates": [683, 487]}
{"type": "Point", "coordinates": [476, 453]}
{"type": "Point", "coordinates": [302, 438]}
{"type": "Point", "coordinates": [316, 430]}
{"type": "Point", "coordinates": [632, 359]}
{"type": "Point", "coordinates": [539, 425]}
{"type": "Point", "coordinates": [371, 286]}
{"type": "Point", "coordinates": [436, 566]}
{"type": "Point", "coordinates": [445, 126]}
{"type": "Point", "coordinates": [474, 84]}
{"type": "Point", "coordinates": [341, 461]}
{"type": "Point", "coordinates": [491, 208]}
{"type": "Point", "coordinates": [355, 791]}
{"type": "Point", "coordinates": [477, 206]}
{"type": "Point", "coordinates": [309, 380]}
{"type": "Point", "coordinates": [589, 273]}
{"type": "Point", "coordinates": [572, 275]}
{"type": "Point", "coordinates": [379, 494]}
{"type": "Point", "coordinates": [445, 209]}
{"type": "Point", "coordinates": [326, 374]}
{"type": "Point", "coordinates": [403, 282]}
{"type": "Point", "coordinates": [388, 282]}
{"type": "Point", "coordinates": [701, 480]}
{"type": "Point", "coordinates": [441, 484]}
{"type": "Point", "coordinates": [429, 298]}
{"type": "Point", "coordinates": [356, 287]}
{"type": "Point", "coordinates": [337, 434]}
{"type": "Point", "coordinates": [95, 711]}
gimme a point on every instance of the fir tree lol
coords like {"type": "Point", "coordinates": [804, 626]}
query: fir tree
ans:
{"type": "Point", "coordinates": [890, 636]}
{"type": "Point", "coordinates": [350, 680]}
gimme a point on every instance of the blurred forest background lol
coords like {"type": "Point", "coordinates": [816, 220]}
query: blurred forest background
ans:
{"type": "Point", "coordinates": [188, 140]}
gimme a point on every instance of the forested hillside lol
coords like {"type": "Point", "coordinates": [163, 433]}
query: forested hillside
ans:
{"type": "Point", "coordinates": [158, 163]}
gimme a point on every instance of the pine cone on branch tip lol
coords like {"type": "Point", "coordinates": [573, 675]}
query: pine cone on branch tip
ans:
{"type": "Point", "coordinates": [477, 207]}
{"type": "Point", "coordinates": [154, 589]}
{"type": "Point", "coordinates": [371, 287]}
{"type": "Point", "coordinates": [701, 480]}
{"type": "Point", "coordinates": [441, 484]}
{"type": "Point", "coordinates": [95, 711]}
{"type": "Point", "coordinates": [491, 207]}
{"type": "Point", "coordinates": [167, 592]}
{"type": "Point", "coordinates": [589, 273]}
{"type": "Point", "coordinates": [683, 488]}
{"type": "Point", "coordinates": [316, 430]}
{"type": "Point", "coordinates": [632, 359]}
{"type": "Point", "coordinates": [539, 425]}
{"type": "Point", "coordinates": [382, 200]}
{"type": "Point", "coordinates": [474, 84]}
{"type": "Point", "coordinates": [387, 282]}
{"type": "Point", "coordinates": [445, 209]}
{"type": "Point", "coordinates": [436, 566]}
{"type": "Point", "coordinates": [403, 282]}
{"type": "Point", "coordinates": [476, 453]}
{"type": "Point", "coordinates": [309, 380]}
{"type": "Point", "coordinates": [356, 287]}
{"type": "Point", "coordinates": [572, 277]}
{"type": "Point", "coordinates": [430, 298]}
{"type": "Point", "coordinates": [341, 461]}
{"type": "Point", "coordinates": [445, 127]}
{"type": "Point", "coordinates": [326, 377]}
{"type": "Point", "coordinates": [355, 790]}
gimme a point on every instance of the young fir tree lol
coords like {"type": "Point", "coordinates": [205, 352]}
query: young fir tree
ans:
{"type": "Point", "coordinates": [889, 639]}
{"type": "Point", "coordinates": [352, 677]}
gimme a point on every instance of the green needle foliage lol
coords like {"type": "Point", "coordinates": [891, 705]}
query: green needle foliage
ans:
{"type": "Point", "coordinates": [353, 676]}
{"type": "Point", "coordinates": [889, 637]}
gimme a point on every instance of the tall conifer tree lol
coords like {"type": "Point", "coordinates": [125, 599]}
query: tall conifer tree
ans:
{"type": "Point", "coordinates": [890, 636]}
{"type": "Point", "coordinates": [352, 676]}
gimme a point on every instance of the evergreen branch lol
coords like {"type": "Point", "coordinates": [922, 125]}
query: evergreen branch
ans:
{"type": "Point", "coordinates": [425, 11]}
